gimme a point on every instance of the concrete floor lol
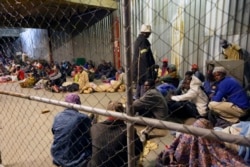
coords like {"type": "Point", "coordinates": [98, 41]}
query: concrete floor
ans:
{"type": "Point", "coordinates": [25, 133]}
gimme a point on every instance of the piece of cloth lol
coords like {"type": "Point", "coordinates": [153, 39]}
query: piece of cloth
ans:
{"type": "Point", "coordinates": [219, 69]}
{"type": "Point", "coordinates": [164, 88]}
{"type": "Point", "coordinates": [232, 52]}
{"type": "Point", "coordinates": [109, 144]}
{"type": "Point", "coordinates": [71, 146]}
{"type": "Point", "coordinates": [72, 98]}
{"type": "Point", "coordinates": [243, 129]}
{"type": "Point", "coordinates": [189, 150]}
{"type": "Point", "coordinates": [20, 75]}
{"type": "Point", "coordinates": [244, 151]}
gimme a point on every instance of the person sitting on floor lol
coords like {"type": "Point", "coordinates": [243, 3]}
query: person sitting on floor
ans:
{"type": "Point", "coordinates": [19, 73]}
{"type": "Point", "coordinates": [56, 79]}
{"type": "Point", "coordinates": [109, 141]}
{"type": "Point", "coordinates": [71, 145]}
{"type": "Point", "coordinates": [172, 76]}
{"type": "Point", "coordinates": [197, 72]}
{"type": "Point", "coordinates": [194, 95]}
{"type": "Point", "coordinates": [209, 83]}
{"type": "Point", "coordinates": [230, 100]}
{"type": "Point", "coordinates": [152, 104]}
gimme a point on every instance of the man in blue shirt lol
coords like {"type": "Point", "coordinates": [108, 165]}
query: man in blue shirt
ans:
{"type": "Point", "coordinates": [230, 100]}
{"type": "Point", "coordinates": [72, 142]}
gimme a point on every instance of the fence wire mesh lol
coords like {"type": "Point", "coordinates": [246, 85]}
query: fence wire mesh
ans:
{"type": "Point", "coordinates": [43, 37]}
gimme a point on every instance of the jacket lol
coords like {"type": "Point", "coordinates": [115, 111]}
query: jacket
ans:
{"type": "Point", "coordinates": [72, 142]}
{"type": "Point", "coordinates": [196, 95]}
{"type": "Point", "coordinates": [152, 104]}
{"type": "Point", "coordinates": [143, 60]}
{"type": "Point", "coordinates": [230, 89]}
{"type": "Point", "coordinates": [109, 144]}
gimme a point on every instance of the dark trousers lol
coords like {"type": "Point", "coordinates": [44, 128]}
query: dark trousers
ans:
{"type": "Point", "coordinates": [139, 91]}
{"type": "Point", "coordinates": [182, 109]}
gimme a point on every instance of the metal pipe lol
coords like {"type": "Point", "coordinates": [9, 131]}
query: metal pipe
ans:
{"type": "Point", "coordinates": [206, 133]}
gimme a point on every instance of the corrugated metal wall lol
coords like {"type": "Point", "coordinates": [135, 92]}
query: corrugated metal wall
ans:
{"type": "Point", "coordinates": [189, 31]}
{"type": "Point", "coordinates": [95, 43]}
{"type": "Point", "coordinates": [185, 32]}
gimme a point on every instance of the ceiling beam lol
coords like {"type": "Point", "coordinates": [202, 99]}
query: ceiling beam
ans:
{"type": "Point", "coordinates": [111, 4]}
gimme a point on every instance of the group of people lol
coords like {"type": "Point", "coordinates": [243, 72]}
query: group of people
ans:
{"type": "Point", "coordinates": [80, 142]}
{"type": "Point", "coordinates": [215, 97]}
{"type": "Point", "coordinates": [55, 77]}
{"type": "Point", "coordinates": [217, 92]}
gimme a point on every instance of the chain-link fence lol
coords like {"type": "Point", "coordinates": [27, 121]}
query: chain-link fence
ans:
{"type": "Point", "coordinates": [45, 38]}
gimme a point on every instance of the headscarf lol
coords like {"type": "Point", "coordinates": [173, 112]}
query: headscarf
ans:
{"type": "Point", "coordinates": [72, 98]}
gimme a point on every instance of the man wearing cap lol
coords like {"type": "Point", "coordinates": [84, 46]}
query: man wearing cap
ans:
{"type": "Point", "coordinates": [230, 100]}
{"type": "Point", "coordinates": [72, 142]}
{"type": "Point", "coordinates": [143, 60]}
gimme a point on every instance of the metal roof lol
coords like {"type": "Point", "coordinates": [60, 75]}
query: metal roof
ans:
{"type": "Point", "coordinates": [66, 15]}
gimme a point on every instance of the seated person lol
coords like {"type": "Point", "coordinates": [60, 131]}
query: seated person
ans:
{"type": "Point", "coordinates": [164, 67]}
{"type": "Point", "coordinates": [152, 104]}
{"type": "Point", "coordinates": [190, 150]}
{"type": "Point", "coordinates": [111, 86]}
{"type": "Point", "coordinates": [172, 76]}
{"type": "Point", "coordinates": [55, 79]}
{"type": "Point", "coordinates": [194, 94]}
{"type": "Point", "coordinates": [72, 142]}
{"type": "Point", "coordinates": [230, 100]}
{"type": "Point", "coordinates": [19, 73]}
{"type": "Point", "coordinates": [91, 72]}
{"type": "Point", "coordinates": [80, 81]}
{"type": "Point", "coordinates": [109, 141]}
{"type": "Point", "coordinates": [197, 72]}
{"type": "Point", "coordinates": [102, 69]}
{"type": "Point", "coordinates": [209, 83]}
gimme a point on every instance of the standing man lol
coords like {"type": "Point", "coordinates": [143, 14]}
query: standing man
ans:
{"type": "Point", "coordinates": [143, 60]}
